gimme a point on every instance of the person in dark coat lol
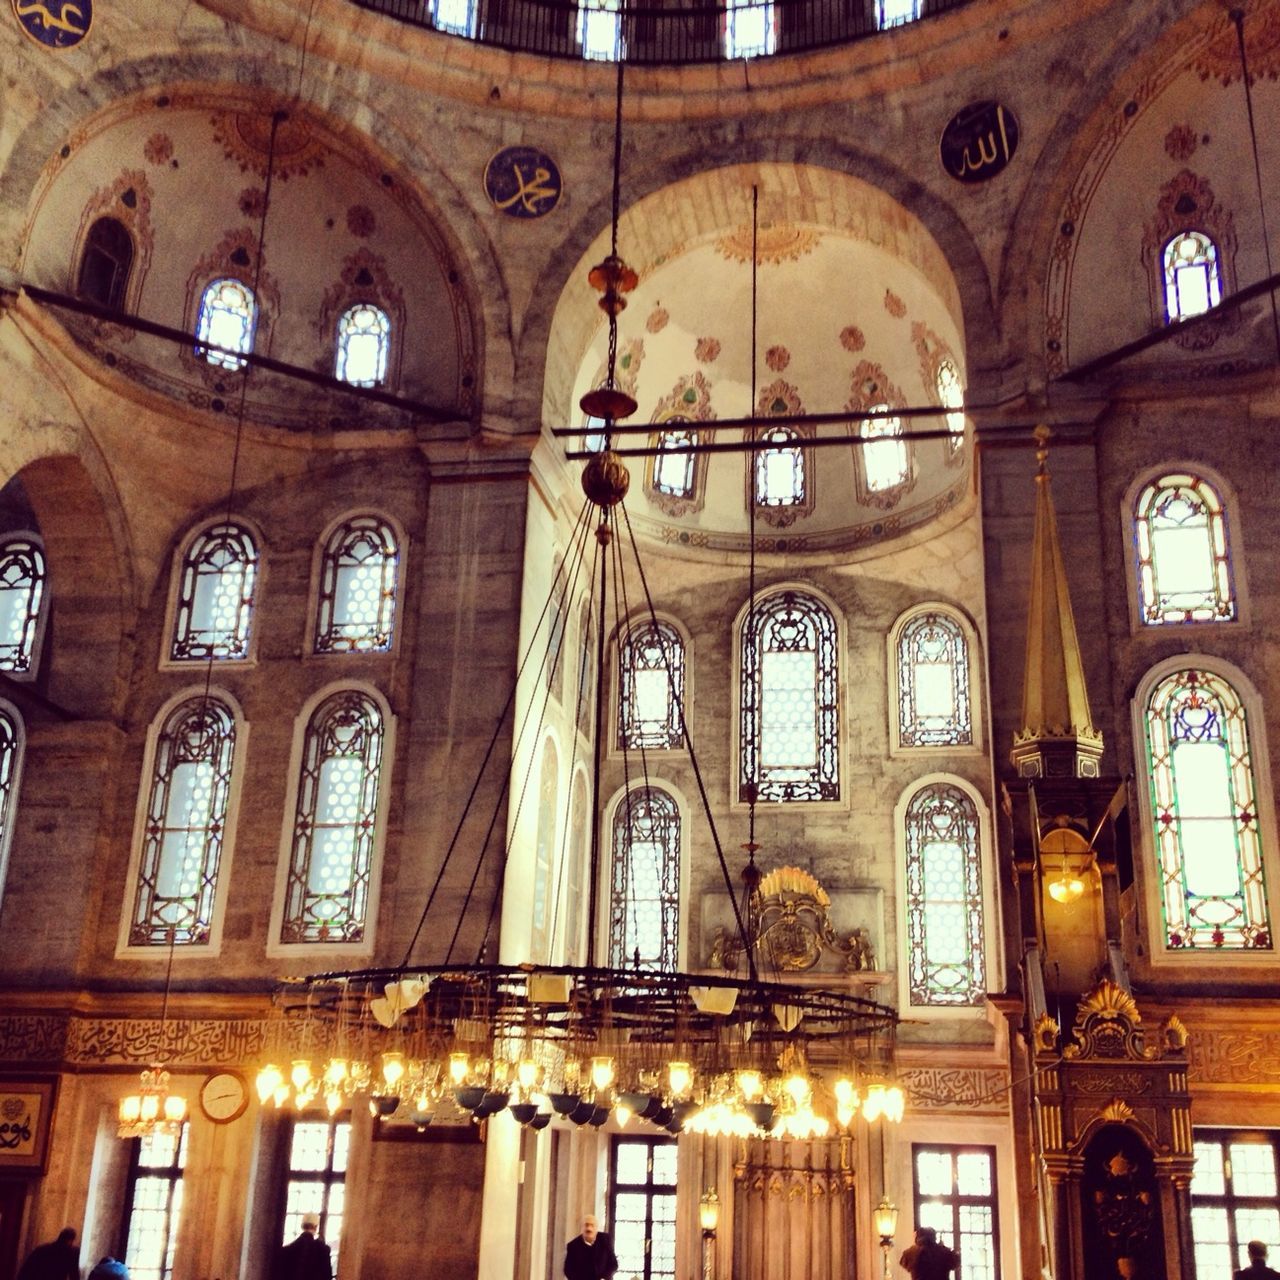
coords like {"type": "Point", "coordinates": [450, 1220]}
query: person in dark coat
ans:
{"type": "Point", "coordinates": [1257, 1268]}
{"type": "Point", "coordinates": [57, 1260]}
{"type": "Point", "coordinates": [109, 1268]}
{"type": "Point", "coordinates": [590, 1256]}
{"type": "Point", "coordinates": [927, 1259]}
{"type": "Point", "coordinates": [307, 1258]}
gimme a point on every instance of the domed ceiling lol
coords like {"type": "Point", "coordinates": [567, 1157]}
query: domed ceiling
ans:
{"type": "Point", "coordinates": [856, 309]}
{"type": "Point", "coordinates": [187, 176]}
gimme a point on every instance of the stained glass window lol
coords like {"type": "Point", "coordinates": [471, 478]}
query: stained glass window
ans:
{"type": "Point", "coordinates": [228, 318]}
{"type": "Point", "coordinates": [886, 461]}
{"type": "Point", "coordinates": [673, 472]}
{"type": "Point", "coordinates": [650, 687]}
{"type": "Point", "coordinates": [945, 930]}
{"type": "Point", "coordinates": [748, 29]}
{"type": "Point", "coordinates": [955, 1194]}
{"type": "Point", "coordinates": [933, 683]}
{"type": "Point", "coordinates": [317, 1180]}
{"type": "Point", "coordinates": [1233, 1199]}
{"type": "Point", "coordinates": [214, 611]}
{"type": "Point", "coordinates": [105, 264]}
{"type": "Point", "coordinates": [951, 396]}
{"type": "Point", "coordinates": [790, 690]}
{"type": "Point", "coordinates": [779, 470]}
{"type": "Point", "coordinates": [364, 339]}
{"type": "Point", "coordinates": [155, 1204]}
{"type": "Point", "coordinates": [334, 832]}
{"type": "Point", "coordinates": [1203, 801]}
{"type": "Point", "coordinates": [357, 600]}
{"type": "Point", "coordinates": [1182, 552]}
{"type": "Point", "coordinates": [544, 854]}
{"type": "Point", "coordinates": [22, 584]}
{"type": "Point", "coordinates": [600, 29]}
{"type": "Point", "coordinates": [11, 744]}
{"type": "Point", "coordinates": [1192, 283]}
{"type": "Point", "coordinates": [184, 829]}
{"type": "Point", "coordinates": [642, 1207]}
{"type": "Point", "coordinates": [644, 912]}
{"type": "Point", "coordinates": [893, 13]}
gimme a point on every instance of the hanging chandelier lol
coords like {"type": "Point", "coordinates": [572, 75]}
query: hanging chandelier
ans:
{"type": "Point", "coordinates": [715, 1054]}
{"type": "Point", "coordinates": [152, 1110]}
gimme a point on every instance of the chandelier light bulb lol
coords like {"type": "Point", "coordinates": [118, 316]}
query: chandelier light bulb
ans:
{"type": "Point", "coordinates": [874, 1106]}
{"type": "Point", "coordinates": [1066, 889]}
{"type": "Point", "coordinates": [300, 1074]}
{"type": "Point", "coordinates": [798, 1090]}
{"type": "Point", "coordinates": [333, 1101]}
{"type": "Point", "coordinates": [750, 1084]}
{"type": "Point", "coordinates": [527, 1074]}
{"type": "Point", "coordinates": [335, 1072]}
{"type": "Point", "coordinates": [392, 1068]}
{"type": "Point", "coordinates": [845, 1115]}
{"type": "Point", "coordinates": [269, 1079]}
{"type": "Point", "coordinates": [679, 1077]}
{"type": "Point", "coordinates": [130, 1109]}
{"type": "Point", "coordinates": [602, 1072]}
{"type": "Point", "coordinates": [623, 1114]}
{"type": "Point", "coordinates": [150, 1108]}
{"type": "Point", "coordinates": [458, 1067]}
{"type": "Point", "coordinates": [175, 1109]}
{"type": "Point", "coordinates": [281, 1094]}
{"type": "Point", "coordinates": [895, 1104]}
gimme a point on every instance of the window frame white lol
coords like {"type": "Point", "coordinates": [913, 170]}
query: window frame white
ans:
{"type": "Point", "coordinates": [977, 687]}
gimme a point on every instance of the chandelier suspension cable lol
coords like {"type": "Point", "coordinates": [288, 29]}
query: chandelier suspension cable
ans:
{"type": "Point", "coordinates": [753, 783]}
{"type": "Point", "coordinates": [547, 668]}
{"type": "Point", "coordinates": [490, 749]}
{"type": "Point", "coordinates": [604, 540]}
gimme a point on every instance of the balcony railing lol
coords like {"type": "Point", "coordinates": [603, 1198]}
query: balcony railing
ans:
{"type": "Point", "coordinates": [607, 30]}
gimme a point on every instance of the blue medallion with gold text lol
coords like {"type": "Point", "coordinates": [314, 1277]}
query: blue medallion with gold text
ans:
{"type": "Point", "coordinates": [522, 182]}
{"type": "Point", "coordinates": [56, 24]}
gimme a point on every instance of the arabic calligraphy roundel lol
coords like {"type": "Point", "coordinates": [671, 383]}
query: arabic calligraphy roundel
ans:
{"type": "Point", "coordinates": [522, 182]}
{"type": "Point", "coordinates": [979, 141]}
{"type": "Point", "coordinates": [56, 24]}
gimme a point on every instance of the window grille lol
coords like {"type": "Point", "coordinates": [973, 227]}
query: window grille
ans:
{"type": "Point", "coordinates": [749, 29]}
{"type": "Point", "coordinates": [886, 460]}
{"type": "Point", "coordinates": [642, 1207]}
{"type": "Point", "coordinates": [893, 13]}
{"type": "Point", "coordinates": [955, 1194]}
{"type": "Point", "coordinates": [951, 396]}
{"type": "Point", "coordinates": [780, 470]}
{"type": "Point", "coordinates": [184, 829]}
{"type": "Point", "coordinates": [357, 600]}
{"type": "Point", "coordinates": [933, 683]}
{"type": "Point", "coordinates": [1235, 1198]}
{"type": "Point", "coordinates": [945, 929]}
{"type": "Point", "coordinates": [228, 318]}
{"type": "Point", "coordinates": [644, 915]}
{"type": "Point", "coordinates": [789, 721]}
{"type": "Point", "coordinates": [154, 1204]}
{"type": "Point", "coordinates": [316, 1180]}
{"type": "Point", "coordinates": [214, 613]}
{"type": "Point", "coordinates": [1205, 811]}
{"type": "Point", "coordinates": [364, 341]}
{"type": "Point", "coordinates": [334, 835]}
{"type": "Point", "coordinates": [650, 687]}
{"type": "Point", "coordinates": [22, 596]}
{"type": "Point", "coordinates": [600, 30]}
{"type": "Point", "coordinates": [673, 473]}
{"type": "Point", "coordinates": [1182, 552]}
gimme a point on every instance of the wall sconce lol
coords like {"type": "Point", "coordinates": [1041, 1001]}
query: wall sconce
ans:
{"type": "Point", "coordinates": [885, 1218]}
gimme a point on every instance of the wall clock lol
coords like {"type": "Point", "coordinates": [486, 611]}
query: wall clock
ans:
{"type": "Point", "coordinates": [223, 1097]}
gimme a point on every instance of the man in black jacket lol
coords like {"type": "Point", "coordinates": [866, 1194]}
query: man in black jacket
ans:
{"type": "Point", "coordinates": [57, 1260]}
{"type": "Point", "coordinates": [307, 1258]}
{"type": "Point", "coordinates": [590, 1256]}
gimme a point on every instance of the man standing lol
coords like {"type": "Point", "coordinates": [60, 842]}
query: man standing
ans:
{"type": "Point", "coordinates": [57, 1260]}
{"type": "Point", "coordinates": [307, 1258]}
{"type": "Point", "coordinates": [927, 1259]}
{"type": "Point", "coordinates": [1257, 1268]}
{"type": "Point", "coordinates": [590, 1256]}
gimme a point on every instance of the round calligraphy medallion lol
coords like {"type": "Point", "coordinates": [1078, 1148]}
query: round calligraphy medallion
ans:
{"type": "Point", "coordinates": [56, 24]}
{"type": "Point", "coordinates": [979, 142]}
{"type": "Point", "coordinates": [522, 182]}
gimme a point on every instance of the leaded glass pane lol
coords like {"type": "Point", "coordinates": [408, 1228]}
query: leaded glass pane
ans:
{"type": "Point", "coordinates": [1207, 842]}
{"type": "Point", "coordinates": [893, 13]}
{"type": "Point", "coordinates": [458, 17]}
{"type": "Point", "coordinates": [1233, 1200]}
{"type": "Point", "coordinates": [651, 687]}
{"type": "Point", "coordinates": [357, 601]}
{"type": "Point", "coordinates": [228, 317]}
{"type": "Point", "coordinates": [214, 612]}
{"type": "Point", "coordinates": [1192, 283]}
{"type": "Point", "coordinates": [544, 851]}
{"type": "Point", "coordinates": [327, 888]}
{"type": "Point", "coordinates": [155, 1205]}
{"type": "Point", "coordinates": [644, 913]}
{"type": "Point", "coordinates": [933, 683]}
{"type": "Point", "coordinates": [185, 825]}
{"type": "Point", "coordinates": [789, 711]}
{"type": "Point", "coordinates": [780, 472]}
{"type": "Point", "coordinates": [673, 472]}
{"type": "Point", "coordinates": [951, 394]}
{"type": "Point", "coordinates": [955, 1194]}
{"type": "Point", "coordinates": [364, 339]}
{"type": "Point", "coordinates": [600, 29]}
{"type": "Point", "coordinates": [749, 29]}
{"type": "Point", "coordinates": [22, 582]}
{"type": "Point", "coordinates": [642, 1214]}
{"type": "Point", "coordinates": [945, 931]}
{"type": "Point", "coordinates": [886, 461]}
{"type": "Point", "coordinates": [316, 1180]}
{"type": "Point", "coordinates": [1182, 554]}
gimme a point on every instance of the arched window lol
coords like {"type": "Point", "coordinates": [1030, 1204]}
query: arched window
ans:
{"type": "Point", "coordinates": [1205, 814]}
{"type": "Point", "coordinates": [356, 610]}
{"type": "Point", "coordinates": [335, 823]}
{"type": "Point", "coordinates": [105, 264]}
{"type": "Point", "coordinates": [951, 397]}
{"type": "Point", "coordinates": [22, 598]}
{"type": "Point", "coordinates": [184, 827]}
{"type": "Point", "coordinates": [12, 741]}
{"type": "Point", "coordinates": [364, 339]}
{"type": "Point", "coordinates": [673, 472]}
{"type": "Point", "coordinates": [946, 962]}
{"type": "Point", "coordinates": [886, 463]}
{"type": "Point", "coordinates": [544, 854]}
{"type": "Point", "coordinates": [1192, 281]}
{"type": "Point", "coordinates": [1183, 557]}
{"type": "Point", "coordinates": [780, 470]}
{"type": "Point", "coordinates": [644, 910]}
{"type": "Point", "coordinates": [214, 612]}
{"type": "Point", "coordinates": [228, 317]}
{"type": "Point", "coordinates": [933, 683]}
{"type": "Point", "coordinates": [650, 687]}
{"type": "Point", "coordinates": [790, 690]}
